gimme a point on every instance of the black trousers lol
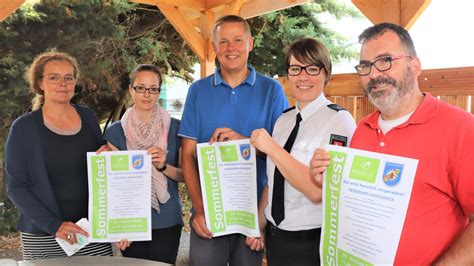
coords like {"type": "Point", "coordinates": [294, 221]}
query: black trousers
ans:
{"type": "Point", "coordinates": [292, 247]}
{"type": "Point", "coordinates": [163, 246]}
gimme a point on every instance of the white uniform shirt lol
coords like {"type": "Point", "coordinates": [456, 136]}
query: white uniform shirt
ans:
{"type": "Point", "coordinates": [318, 123]}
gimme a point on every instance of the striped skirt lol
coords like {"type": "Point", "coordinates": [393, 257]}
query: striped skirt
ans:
{"type": "Point", "coordinates": [45, 247]}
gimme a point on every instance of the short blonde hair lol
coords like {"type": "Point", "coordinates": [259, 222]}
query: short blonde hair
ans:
{"type": "Point", "coordinates": [230, 19]}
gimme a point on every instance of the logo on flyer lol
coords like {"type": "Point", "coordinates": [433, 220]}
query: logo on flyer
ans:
{"type": "Point", "coordinates": [364, 169]}
{"type": "Point", "coordinates": [137, 161]}
{"type": "Point", "coordinates": [119, 162]}
{"type": "Point", "coordinates": [392, 173]}
{"type": "Point", "coordinates": [245, 151]}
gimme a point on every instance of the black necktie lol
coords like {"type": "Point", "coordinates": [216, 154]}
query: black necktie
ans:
{"type": "Point", "coordinates": [278, 198]}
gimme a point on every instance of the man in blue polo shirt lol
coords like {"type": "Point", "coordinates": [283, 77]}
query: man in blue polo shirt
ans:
{"type": "Point", "coordinates": [227, 105]}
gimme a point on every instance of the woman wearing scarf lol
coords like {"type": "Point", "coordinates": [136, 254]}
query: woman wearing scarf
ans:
{"type": "Point", "coordinates": [146, 126]}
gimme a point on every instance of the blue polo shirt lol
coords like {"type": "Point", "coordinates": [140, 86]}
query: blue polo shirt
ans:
{"type": "Point", "coordinates": [211, 103]}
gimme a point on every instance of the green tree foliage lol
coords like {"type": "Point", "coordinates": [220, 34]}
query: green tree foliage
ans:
{"type": "Point", "coordinates": [108, 45]}
{"type": "Point", "coordinates": [107, 38]}
{"type": "Point", "coordinates": [110, 37]}
{"type": "Point", "coordinates": [275, 31]}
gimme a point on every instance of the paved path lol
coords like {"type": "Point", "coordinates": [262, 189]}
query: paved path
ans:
{"type": "Point", "coordinates": [13, 251]}
{"type": "Point", "coordinates": [183, 253]}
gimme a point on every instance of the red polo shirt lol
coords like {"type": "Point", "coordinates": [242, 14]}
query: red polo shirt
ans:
{"type": "Point", "coordinates": [441, 137]}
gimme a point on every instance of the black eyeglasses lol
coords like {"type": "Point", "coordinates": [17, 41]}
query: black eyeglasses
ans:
{"type": "Point", "coordinates": [312, 70]}
{"type": "Point", "coordinates": [151, 90]}
{"type": "Point", "coordinates": [381, 64]}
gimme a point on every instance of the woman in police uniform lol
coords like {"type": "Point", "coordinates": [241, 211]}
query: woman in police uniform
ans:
{"type": "Point", "coordinates": [290, 208]}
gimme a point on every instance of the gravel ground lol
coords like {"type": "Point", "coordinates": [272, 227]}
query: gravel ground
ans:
{"type": "Point", "coordinates": [10, 248]}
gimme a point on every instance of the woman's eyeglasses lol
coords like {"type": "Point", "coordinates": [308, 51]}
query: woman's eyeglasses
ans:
{"type": "Point", "coordinates": [151, 90]}
{"type": "Point", "coordinates": [312, 70]}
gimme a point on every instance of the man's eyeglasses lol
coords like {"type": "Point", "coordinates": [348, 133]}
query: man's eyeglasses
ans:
{"type": "Point", "coordinates": [312, 70]}
{"type": "Point", "coordinates": [381, 64]}
{"type": "Point", "coordinates": [152, 90]}
{"type": "Point", "coordinates": [56, 79]}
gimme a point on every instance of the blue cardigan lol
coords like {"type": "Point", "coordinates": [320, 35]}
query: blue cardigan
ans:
{"type": "Point", "coordinates": [170, 212]}
{"type": "Point", "coordinates": [27, 182]}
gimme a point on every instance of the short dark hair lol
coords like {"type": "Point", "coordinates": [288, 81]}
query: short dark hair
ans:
{"type": "Point", "coordinates": [230, 19]}
{"type": "Point", "coordinates": [142, 68]}
{"type": "Point", "coordinates": [311, 51]}
{"type": "Point", "coordinates": [379, 29]}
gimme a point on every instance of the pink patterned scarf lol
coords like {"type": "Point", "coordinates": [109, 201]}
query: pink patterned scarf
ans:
{"type": "Point", "coordinates": [141, 136]}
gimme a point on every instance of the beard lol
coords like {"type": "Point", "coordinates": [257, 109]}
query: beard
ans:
{"type": "Point", "coordinates": [390, 101]}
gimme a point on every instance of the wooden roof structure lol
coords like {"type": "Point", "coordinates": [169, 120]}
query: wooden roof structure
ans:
{"type": "Point", "coordinates": [193, 19]}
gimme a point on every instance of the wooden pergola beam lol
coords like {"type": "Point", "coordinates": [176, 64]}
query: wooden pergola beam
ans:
{"type": "Point", "coordinates": [185, 28]}
{"type": "Point", "coordinates": [193, 20]}
{"type": "Point", "coordinates": [8, 7]}
{"type": "Point", "coordinates": [211, 4]}
{"type": "Point", "coordinates": [259, 7]}
{"type": "Point", "coordinates": [400, 12]}
{"type": "Point", "coordinates": [189, 4]}
{"type": "Point", "coordinates": [234, 8]}
{"type": "Point", "coordinates": [206, 23]}
{"type": "Point", "coordinates": [411, 11]}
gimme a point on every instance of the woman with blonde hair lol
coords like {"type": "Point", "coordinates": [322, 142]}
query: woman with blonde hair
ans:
{"type": "Point", "coordinates": [45, 161]}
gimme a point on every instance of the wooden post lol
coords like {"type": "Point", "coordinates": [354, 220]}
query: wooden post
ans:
{"type": "Point", "coordinates": [207, 21]}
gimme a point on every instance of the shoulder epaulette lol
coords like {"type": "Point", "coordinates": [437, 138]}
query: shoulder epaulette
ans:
{"type": "Point", "coordinates": [289, 109]}
{"type": "Point", "coordinates": [336, 107]}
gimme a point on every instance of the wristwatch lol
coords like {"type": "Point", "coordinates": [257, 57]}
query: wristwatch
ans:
{"type": "Point", "coordinates": [162, 169]}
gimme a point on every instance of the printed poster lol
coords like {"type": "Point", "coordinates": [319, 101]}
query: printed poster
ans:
{"type": "Point", "coordinates": [365, 200]}
{"type": "Point", "coordinates": [228, 177]}
{"type": "Point", "coordinates": [119, 196]}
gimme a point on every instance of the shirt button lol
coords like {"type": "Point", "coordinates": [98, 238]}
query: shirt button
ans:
{"type": "Point", "coordinates": [233, 92]}
{"type": "Point", "coordinates": [382, 144]}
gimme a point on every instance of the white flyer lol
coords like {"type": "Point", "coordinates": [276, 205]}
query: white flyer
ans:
{"type": "Point", "coordinates": [82, 240]}
{"type": "Point", "coordinates": [228, 176]}
{"type": "Point", "coordinates": [119, 195]}
{"type": "Point", "coordinates": [365, 200]}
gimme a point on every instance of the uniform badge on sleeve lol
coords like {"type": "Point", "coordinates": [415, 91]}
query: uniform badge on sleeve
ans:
{"type": "Point", "coordinates": [338, 140]}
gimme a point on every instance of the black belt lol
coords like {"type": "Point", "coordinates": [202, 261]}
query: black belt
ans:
{"type": "Point", "coordinates": [311, 234]}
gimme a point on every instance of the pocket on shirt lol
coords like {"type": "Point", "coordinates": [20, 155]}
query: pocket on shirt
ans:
{"type": "Point", "coordinates": [303, 150]}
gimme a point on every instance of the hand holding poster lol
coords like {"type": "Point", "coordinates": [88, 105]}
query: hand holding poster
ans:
{"type": "Point", "coordinates": [227, 172]}
{"type": "Point", "coordinates": [119, 195]}
{"type": "Point", "coordinates": [365, 200]}
{"type": "Point", "coordinates": [82, 240]}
